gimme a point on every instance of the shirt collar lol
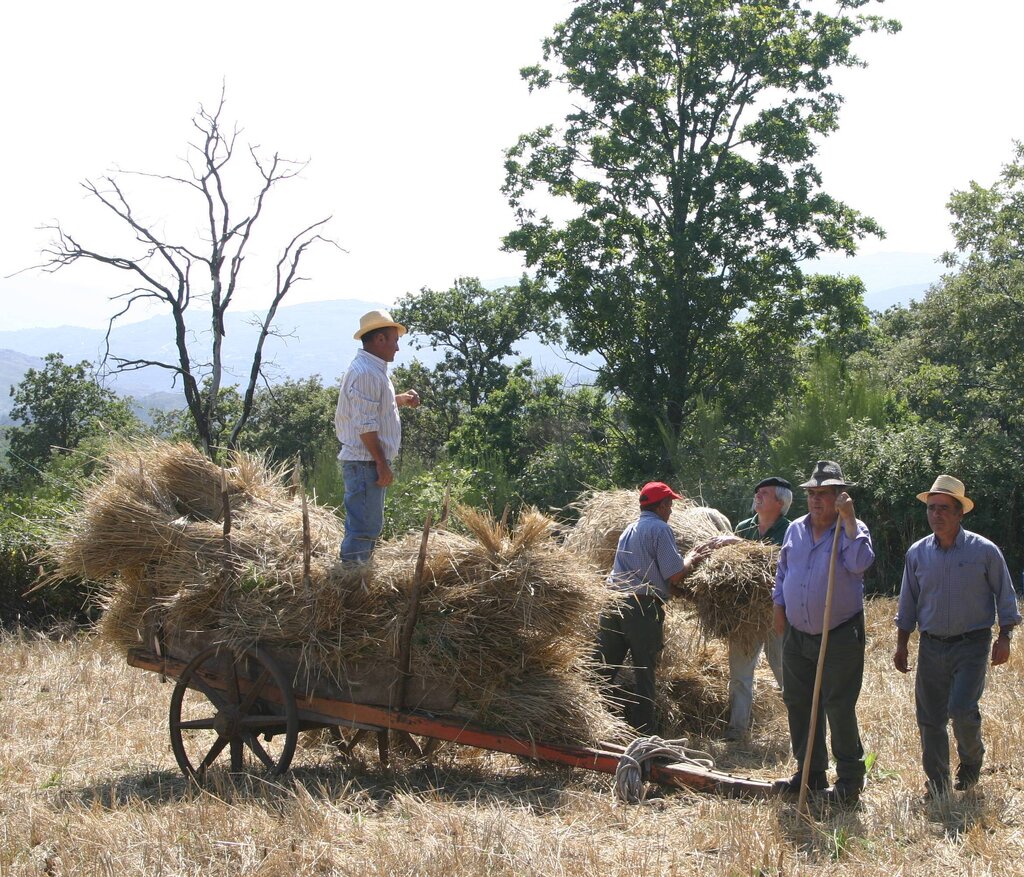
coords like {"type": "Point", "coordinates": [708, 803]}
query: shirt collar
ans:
{"type": "Point", "coordinates": [957, 543]}
{"type": "Point", "coordinates": [369, 358]}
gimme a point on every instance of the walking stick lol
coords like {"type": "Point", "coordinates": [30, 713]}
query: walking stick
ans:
{"type": "Point", "coordinates": [801, 804]}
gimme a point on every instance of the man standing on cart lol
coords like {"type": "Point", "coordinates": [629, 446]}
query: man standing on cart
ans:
{"type": "Point", "coordinates": [368, 427]}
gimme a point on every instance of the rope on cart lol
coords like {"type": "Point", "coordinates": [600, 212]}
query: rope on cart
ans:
{"type": "Point", "coordinates": [634, 764]}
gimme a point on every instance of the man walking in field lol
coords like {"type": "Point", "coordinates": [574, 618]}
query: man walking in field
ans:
{"type": "Point", "coordinates": [955, 583]}
{"type": "Point", "coordinates": [801, 585]}
{"type": "Point", "coordinates": [367, 425]}
{"type": "Point", "coordinates": [647, 565]}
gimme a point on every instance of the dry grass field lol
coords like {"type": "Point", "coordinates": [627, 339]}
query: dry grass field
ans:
{"type": "Point", "coordinates": [88, 785]}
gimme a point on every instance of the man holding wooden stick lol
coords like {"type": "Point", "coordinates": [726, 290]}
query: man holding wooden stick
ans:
{"type": "Point", "coordinates": [955, 583]}
{"type": "Point", "coordinates": [814, 548]}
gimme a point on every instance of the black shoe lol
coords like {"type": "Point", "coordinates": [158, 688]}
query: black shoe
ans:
{"type": "Point", "coordinates": [816, 782]}
{"type": "Point", "coordinates": [935, 790]}
{"type": "Point", "coordinates": [845, 793]}
{"type": "Point", "coordinates": [967, 776]}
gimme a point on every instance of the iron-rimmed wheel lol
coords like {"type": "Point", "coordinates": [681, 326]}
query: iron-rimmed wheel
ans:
{"type": "Point", "coordinates": [225, 700]}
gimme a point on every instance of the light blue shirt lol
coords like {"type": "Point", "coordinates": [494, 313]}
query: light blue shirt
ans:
{"type": "Point", "coordinates": [366, 403]}
{"type": "Point", "coordinates": [955, 591]}
{"type": "Point", "coordinates": [646, 558]}
{"type": "Point", "coordinates": [801, 580]}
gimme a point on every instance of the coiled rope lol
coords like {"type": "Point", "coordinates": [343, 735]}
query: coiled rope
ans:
{"type": "Point", "coordinates": [634, 764]}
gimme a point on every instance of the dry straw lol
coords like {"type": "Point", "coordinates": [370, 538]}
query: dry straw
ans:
{"type": "Point", "coordinates": [506, 618]}
{"type": "Point", "coordinates": [731, 590]}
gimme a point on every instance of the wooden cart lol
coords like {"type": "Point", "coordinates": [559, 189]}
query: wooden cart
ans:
{"type": "Point", "coordinates": [247, 707]}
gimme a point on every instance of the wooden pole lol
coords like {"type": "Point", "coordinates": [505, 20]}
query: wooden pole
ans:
{"type": "Point", "coordinates": [826, 621]}
{"type": "Point", "coordinates": [405, 643]}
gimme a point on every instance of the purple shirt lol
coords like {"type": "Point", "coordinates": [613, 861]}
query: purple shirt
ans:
{"type": "Point", "coordinates": [801, 580]}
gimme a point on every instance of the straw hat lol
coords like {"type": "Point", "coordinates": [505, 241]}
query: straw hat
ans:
{"type": "Point", "coordinates": [954, 487]}
{"type": "Point", "coordinates": [377, 320]}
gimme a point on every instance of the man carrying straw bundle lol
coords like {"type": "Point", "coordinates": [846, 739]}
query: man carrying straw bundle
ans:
{"type": "Point", "coordinates": [370, 431]}
{"type": "Point", "coordinates": [828, 543]}
{"type": "Point", "coordinates": [772, 499]}
{"type": "Point", "coordinates": [954, 583]}
{"type": "Point", "coordinates": [647, 566]}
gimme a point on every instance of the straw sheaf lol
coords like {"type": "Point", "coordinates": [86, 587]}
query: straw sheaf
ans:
{"type": "Point", "coordinates": [604, 514]}
{"type": "Point", "coordinates": [506, 617]}
{"type": "Point", "coordinates": [732, 592]}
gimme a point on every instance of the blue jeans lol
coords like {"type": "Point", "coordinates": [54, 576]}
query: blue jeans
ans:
{"type": "Point", "coordinates": [742, 664]}
{"type": "Point", "coordinates": [364, 510]}
{"type": "Point", "coordinates": [949, 685]}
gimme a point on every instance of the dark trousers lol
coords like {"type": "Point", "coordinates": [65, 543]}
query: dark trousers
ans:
{"type": "Point", "coordinates": [840, 687]}
{"type": "Point", "coordinates": [949, 685]}
{"type": "Point", "coordinates": [638, 630]}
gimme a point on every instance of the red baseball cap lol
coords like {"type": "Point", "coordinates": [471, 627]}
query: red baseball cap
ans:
{"type": "Point", "coordinates": [654, 492]}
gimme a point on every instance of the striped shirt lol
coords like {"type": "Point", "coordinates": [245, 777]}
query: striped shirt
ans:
{"type": "Point", "coordinates": [366, 403]}
{"type": "Point", "coordinates": [955, 591]}
{"type": "Point", "coordinates": [646, 558]}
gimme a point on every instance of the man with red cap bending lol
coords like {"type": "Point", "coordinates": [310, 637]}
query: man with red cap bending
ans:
{"type": "Point", "coordinates": [647, 566]}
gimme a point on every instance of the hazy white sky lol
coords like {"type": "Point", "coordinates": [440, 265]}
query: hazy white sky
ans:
{"type": "Point", "coordinates": [405, 108]}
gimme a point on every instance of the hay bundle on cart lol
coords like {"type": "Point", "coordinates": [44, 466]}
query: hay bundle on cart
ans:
{"type": "Point", "coordinates": [731, 590]}
{"type": "Point", "coordinates": [505, 618]}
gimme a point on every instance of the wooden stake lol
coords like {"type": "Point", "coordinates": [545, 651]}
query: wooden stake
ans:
{"type": "Point", "coordinates": [801, 804]}
{"type": "Point", "coordinates": [443, 523]}
{"type": "Point", "coordinates": [226, 503]}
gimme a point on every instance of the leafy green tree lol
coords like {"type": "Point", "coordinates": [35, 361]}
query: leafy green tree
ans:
{"type": "Point", "coordinates": [293, 419]}
{"type": "Point", "coordinates": [955, 358]}
{"type": "Point", "coordinates": [426, 429]}
{"type": "Point", "coordinates": [550, 442]}
{"type": "Point", "coordinates": [687, 169]}
{"type": "Point", "coordinates": [59, 406]}
{"type": "Point", "coordinates": [477, 328]}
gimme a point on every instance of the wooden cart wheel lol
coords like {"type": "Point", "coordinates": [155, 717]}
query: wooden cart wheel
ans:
{"type": "Point", "coordinates": [225, 700]}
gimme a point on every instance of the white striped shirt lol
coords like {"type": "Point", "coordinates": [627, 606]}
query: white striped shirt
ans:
{"type": "Point", "coordinates": [366, 403]}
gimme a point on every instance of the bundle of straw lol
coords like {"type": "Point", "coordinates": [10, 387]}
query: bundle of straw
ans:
{"type": "Point", "coordinates": [604, 514]}
{"type": "Point", "coordinates": [506, 618]}
{"type": "Point", "coordinates": [732, 592]}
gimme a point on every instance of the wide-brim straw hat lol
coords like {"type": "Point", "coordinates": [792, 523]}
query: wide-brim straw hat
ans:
{"type": "Point", "coordinates": [377, 320]}
{"type": "Point", "coordinates": [951, 486]}
{"type": "Point", "coordinates": [827, 474]}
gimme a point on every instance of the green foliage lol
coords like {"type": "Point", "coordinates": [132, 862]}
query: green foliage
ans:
{"type": "Point", "coordinates": [831, 400]}
{"type": "Point", "coordinates": [60, 406]}
{"type": "Point", "coordinates": [686, 168]}
{"type": "Point", "coordinates": [27, 513]}
{"type": "Point", "coordinates": [180, 425]}
{"type": "Point", "coordinates": [426, 429]}
{"type": "Point", "coordinates": [293, 419]}
{"type": "Point", "coordinates": [477, 329]}
{"type": "Point", "coordinates": [417, 493]}
{"type": "Point", "coordinates": [550, 442]}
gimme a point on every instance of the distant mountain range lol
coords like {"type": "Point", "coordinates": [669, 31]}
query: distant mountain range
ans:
{"type": "Point", "coordinates": [315, 338]}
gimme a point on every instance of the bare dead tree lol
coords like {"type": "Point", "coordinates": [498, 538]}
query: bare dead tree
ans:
{"type": "Point", "coordinates": [179, 276]}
